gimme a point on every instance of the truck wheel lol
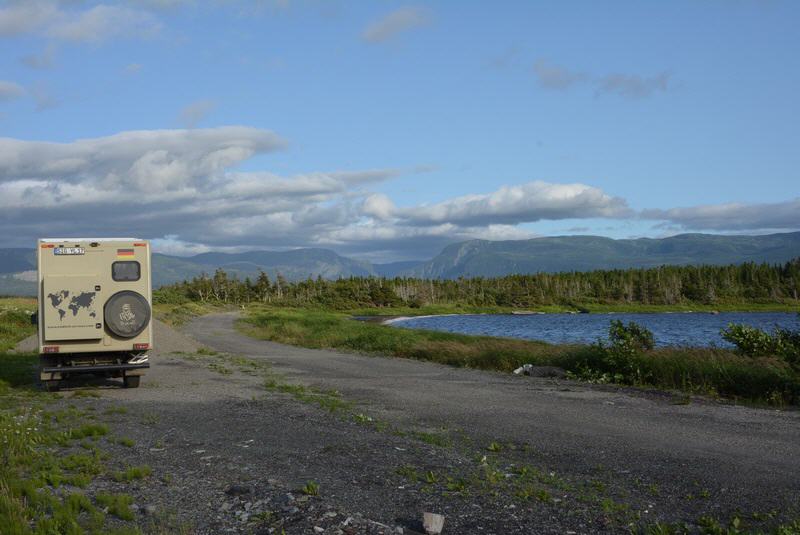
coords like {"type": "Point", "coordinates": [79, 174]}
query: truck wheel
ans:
{"type": "Point", "coordinates": [131, 381]}
{"type": "Point", "coordinates": [51, 386]}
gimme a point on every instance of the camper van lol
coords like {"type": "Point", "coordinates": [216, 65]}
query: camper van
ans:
{"type": "Point", "coordinates": [95, 308]}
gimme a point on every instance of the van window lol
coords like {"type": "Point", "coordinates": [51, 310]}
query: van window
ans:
{"type": "Point", "coordinates": [127, 271]}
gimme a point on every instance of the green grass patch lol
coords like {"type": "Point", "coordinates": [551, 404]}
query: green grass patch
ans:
{"type": "Point", "coordinates": [132, 473]}
{"type": "Point", "coordinates": [709, 371]}
{"type": "Point", "coordinates": [118, 505]}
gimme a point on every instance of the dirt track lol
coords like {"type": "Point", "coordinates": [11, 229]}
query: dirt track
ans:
{"type": "Point", "coordinates": [595, 459]}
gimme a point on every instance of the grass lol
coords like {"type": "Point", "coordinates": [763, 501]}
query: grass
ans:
{"type": "Point", "coordinates": [47, 451]}
{"type": "Point", "coordinates": [132, 473]}
{"type": "Point", "coordinates": [709, 371]}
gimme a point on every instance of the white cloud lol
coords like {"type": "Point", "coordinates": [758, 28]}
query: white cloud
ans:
{"type": "Point", "coordinates": [145, 161]}
{"type": "Point", "coordinates": [378, 206]}
{"type": "Point", "coordinates": [732, 216]}
{"type": "Point", "coordinates": [395, 23]}
{"type": "Point", "coordinates": [552, 76]}
{"type": "Point", "coordinates": [196, 112]}
{"type": "Point", "coordinates": [44, 60]}
{"type": "Point", "coordinates": [69, 21]}
{"type": "Point", "coordinates": [132, 68]}
{"type": "Point", "coordinates": [23, 17]}
{"type": "Point", "coordinates": [532, 201]}
{"type": "Point", "coordinates": [102, 22]}
{"type": "Point", "coordinates": [633, 86]}
{"type": "Point", "coordinates": [10, 90]}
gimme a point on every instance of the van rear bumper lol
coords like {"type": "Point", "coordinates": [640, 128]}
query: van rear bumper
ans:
{"type": "Point", "coordinates": [78, 368]}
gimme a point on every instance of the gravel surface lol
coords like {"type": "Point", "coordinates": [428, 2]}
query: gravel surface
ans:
{"type": "Point", "coordinates": [493, 453]}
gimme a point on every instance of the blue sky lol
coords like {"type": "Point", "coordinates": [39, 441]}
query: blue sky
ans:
{"type": "Point", "coordinates": [386, 130]}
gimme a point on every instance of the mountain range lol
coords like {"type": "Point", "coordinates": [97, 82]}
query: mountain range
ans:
{"type": "Point", "coordinates": [466, 259]}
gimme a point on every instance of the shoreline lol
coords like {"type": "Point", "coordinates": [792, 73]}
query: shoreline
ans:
{"type": "Point", "coordinates": [389, 319]}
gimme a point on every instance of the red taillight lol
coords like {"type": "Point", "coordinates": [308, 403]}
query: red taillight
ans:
{"type": "Point", "coordinates": [48, 245]}
{"type": "Point", "coordinates": [141, 346]}
{"type": "Point", "coordinates": [140, 245]}
{"type": "Point", "coordinates": [51, 349]}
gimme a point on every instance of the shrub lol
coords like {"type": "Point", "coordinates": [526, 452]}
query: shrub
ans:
{"type": "Point", "coordinates": [753, 342]}
{"type": "Point", "coordinates": [621, 359]}
{"type": "Point", "coordinates": [631, 338]}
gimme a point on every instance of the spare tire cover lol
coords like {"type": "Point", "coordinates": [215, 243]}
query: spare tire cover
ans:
{"type": "Point", "coordinates": [127, 313]}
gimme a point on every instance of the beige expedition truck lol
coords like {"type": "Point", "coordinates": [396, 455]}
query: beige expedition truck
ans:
{"type": "Point", "coordinates": [95, 312]}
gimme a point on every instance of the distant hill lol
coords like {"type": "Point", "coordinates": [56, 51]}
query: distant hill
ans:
{"type": "Point", "coordinates": [16, 264]}
{"type": "Point", "coordinates": [466, 259]}
{"type": "Point", "coordinates": [293, 265]}
{"type": "Point", "coordinates": [586, 253]}
{"type": "Point", "coordinates": [394, 269]}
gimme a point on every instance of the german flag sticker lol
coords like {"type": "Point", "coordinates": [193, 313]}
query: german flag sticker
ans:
{"type": "Point", "coordinates": [124, 253]}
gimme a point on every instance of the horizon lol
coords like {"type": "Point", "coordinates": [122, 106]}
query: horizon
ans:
{"type": "Point", "coordinates": [245, 250]}
{"type": "Point", "coordinates": [387, 131]}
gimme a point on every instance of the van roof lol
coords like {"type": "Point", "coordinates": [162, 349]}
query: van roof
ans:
{"type": "Point", "coordinates": [61, 240]}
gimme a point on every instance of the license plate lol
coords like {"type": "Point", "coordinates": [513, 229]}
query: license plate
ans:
{"type": "Point", "coordinates": [69, 250]}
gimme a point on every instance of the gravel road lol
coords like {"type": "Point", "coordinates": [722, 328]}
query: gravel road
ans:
{"type": "Point", "coordinates": [493, 453]}
{"type": "Point", "coordinates": [742, 458]}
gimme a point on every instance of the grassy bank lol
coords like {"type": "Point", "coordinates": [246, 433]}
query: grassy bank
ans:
{"type": "Point", "coordinates": [715, 372]}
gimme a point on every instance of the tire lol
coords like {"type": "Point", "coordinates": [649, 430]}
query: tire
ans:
{"type": "Point", "coordinates": [131, 381]}
{"type": "Point", "coordinates": [127, 314]}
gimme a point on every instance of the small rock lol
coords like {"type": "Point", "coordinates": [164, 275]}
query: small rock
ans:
{"type": "Point", "coordinates": [149, 510]}
{"type": "Point", "coordinates": [433, 523]}
{"type": "Point", "coordinates": [226, 506]}
{"type": "Point", "coordinates": [318, 529]}
{"type": "Point", "coordinates": [237, 490]}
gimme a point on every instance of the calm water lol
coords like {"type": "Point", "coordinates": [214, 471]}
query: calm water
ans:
{"type": "Point", "coordinates": [675, 329]}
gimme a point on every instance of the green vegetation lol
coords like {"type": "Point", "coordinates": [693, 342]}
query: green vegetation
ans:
{"type": "Point", "coordinates": [133, 472]}
{"type": "Point", "coordinates": [742, 286]}
{"type": "Point", "coordinates": [311, 489]}
{"type": "Point", "coordinates": [627, 359]}
{"type": "Point", "coordinates": [783, 343]}
{"type": "Point", "coordinates": [47, 452]}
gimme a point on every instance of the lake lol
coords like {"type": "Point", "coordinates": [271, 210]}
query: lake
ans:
{"type": "Point", "coordinates": [670, 329]}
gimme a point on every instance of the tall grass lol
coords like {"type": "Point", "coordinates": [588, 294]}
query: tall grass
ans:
{"type": "Point", "coordinates": [717, 372]}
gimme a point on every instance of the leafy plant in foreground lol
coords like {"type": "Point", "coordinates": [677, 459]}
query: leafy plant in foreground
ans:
{"type": "Point", "coordinates": [753, 342]}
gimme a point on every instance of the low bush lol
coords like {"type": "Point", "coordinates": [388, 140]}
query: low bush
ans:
{"type": "Point", "coordinates": [753, 342]}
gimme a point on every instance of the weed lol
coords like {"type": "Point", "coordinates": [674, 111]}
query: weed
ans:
{"type": "Point", "coordinates": [89, 430]}
{"type": "Point", "coordinates": [133, 472]}
{"type": "Point", "coordinates": [494, 447]}
{"type": "Point", "coordinates": [434, 439]}
{"type": "Point", "coordinates": [311, 489]}
{"type": "Point", "coordinates": [118, 505]}
{"type": "Point", "coordinates": [408, 472]}
{"type": "Point", "coordinates": [150, 418]}
{"type": "Point", "coordinates": [125, 441]}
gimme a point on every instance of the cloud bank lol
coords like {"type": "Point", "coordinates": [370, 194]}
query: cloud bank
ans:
{"type": "Point", "coordinates": [186, 189]}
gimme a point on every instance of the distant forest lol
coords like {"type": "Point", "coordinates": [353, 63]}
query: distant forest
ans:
{"type": "Point", "coordinates": [666, 285]}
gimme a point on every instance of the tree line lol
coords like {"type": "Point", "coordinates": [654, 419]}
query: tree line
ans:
{"type": "Point", "coordinates": [664, 285]}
